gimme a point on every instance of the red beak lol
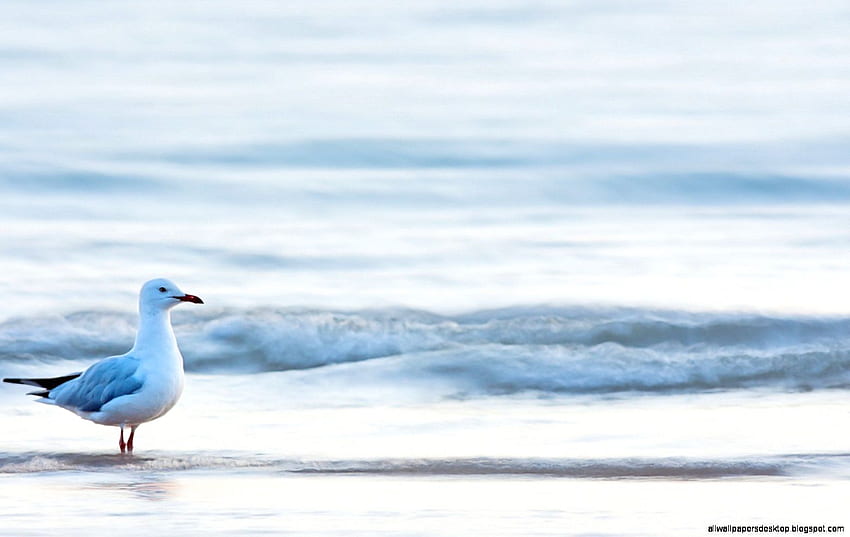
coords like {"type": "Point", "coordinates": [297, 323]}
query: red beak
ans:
{"type": "Point", "coordinates": [189, 298]}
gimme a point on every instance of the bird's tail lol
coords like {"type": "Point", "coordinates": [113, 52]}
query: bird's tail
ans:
{"type": "Point", "coordinates": [48, 384]}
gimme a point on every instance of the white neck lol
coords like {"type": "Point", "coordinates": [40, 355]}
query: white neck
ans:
{"type": "Point", "coordinates": [155, 337]}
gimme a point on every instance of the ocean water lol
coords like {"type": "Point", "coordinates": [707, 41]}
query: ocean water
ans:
{"type": "Point", "coordinates": [496, 268]}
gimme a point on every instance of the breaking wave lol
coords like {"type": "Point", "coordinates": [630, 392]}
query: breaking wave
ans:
{"type": "Point", "coordinates": [548, 350]}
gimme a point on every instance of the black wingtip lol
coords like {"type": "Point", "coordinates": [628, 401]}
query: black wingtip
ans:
{"type": "Point", "coordinates": [40, 393]}
{"type": "Point", "coordinates": [47, 383]}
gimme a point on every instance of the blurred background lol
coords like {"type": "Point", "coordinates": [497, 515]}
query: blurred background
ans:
{"type": "Point", "coordinates": [426, 154]}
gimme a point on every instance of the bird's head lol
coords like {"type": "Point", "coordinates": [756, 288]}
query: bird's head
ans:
{"type": "Point", "coordinates": [162, 294]}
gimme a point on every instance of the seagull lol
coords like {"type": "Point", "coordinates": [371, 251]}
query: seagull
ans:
{"type": "Point", "coordinates": [133, 388]}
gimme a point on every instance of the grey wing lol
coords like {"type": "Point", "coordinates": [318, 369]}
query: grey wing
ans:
{"type": "Point", "coordinates": [99, 384]}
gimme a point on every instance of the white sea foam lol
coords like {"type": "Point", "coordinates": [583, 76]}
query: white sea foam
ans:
{"type": "Point", "coordinates": [546, 350]}
{"type": "Point", "coordinates": [636, 468]}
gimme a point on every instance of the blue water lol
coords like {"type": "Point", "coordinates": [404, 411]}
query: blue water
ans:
{"type": "Point", "coordinates": [428, 155]}
{"type": "Point", "coordinates": [544, 351]}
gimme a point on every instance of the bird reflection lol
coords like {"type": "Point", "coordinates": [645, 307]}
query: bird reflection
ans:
{"type": "Point", "coordinates": [147, 487]}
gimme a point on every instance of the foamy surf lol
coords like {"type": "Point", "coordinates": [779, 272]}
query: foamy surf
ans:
{"type": "Point", "coordinates": [793, 465]}
{"type": "Point", "coordinates": [38, 462]}
{"type": "Point", "coordinates": [545, 350]}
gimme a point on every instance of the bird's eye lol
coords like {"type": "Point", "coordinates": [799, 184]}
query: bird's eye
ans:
{"type": "Point", "coordinates": [162, 289]}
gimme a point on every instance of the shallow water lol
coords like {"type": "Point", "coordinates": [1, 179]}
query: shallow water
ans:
{"type": "Point", "coordinates": [257, 504]}
{"type": "Point", "coordinates": [651, 465]}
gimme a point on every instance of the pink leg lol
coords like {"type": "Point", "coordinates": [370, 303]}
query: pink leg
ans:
{"type": "Point", "coordinates": [130, 440]}
{"type": "Point", "coordinates": [121, 443]}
